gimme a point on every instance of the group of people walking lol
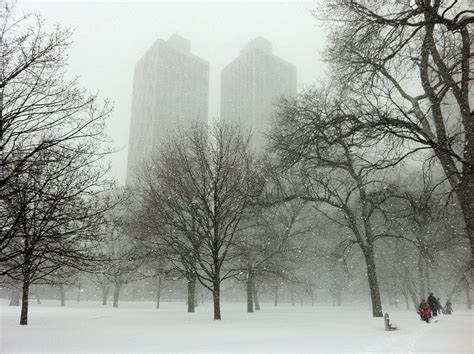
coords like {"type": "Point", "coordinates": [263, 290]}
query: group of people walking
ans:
{"type": "Point", "coordinates": [432, 306]}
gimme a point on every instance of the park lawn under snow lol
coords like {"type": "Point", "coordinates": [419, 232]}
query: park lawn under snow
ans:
{"type": "Point", "coordinates": [139, 327]}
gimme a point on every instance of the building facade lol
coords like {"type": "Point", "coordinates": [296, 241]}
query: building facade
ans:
{"type": "Point", "coordinates": [170, 90]}
{"type": "Point", "coordinates": [250, 86]}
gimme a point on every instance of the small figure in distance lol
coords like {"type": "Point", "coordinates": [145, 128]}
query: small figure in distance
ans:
{"type": "Point", "coordinates": [448, 308]}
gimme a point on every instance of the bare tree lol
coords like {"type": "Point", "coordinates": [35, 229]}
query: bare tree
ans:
{"type": "Point", "coordinates": [165, 252]}
{"type": "Point", "coordinates": [160, 260]}
{"type": "Point", "coordinates": [118, 246]}
{"type": "Point", "coordinates": [412, 60]}
{"type": "Point", "coordinates": [270, 238]}
{"type": "Point", "coordinates": [200, 184]}
{"type": "Point", "coordinates": [99, 278]}
{"type": "Point", "coordinates": [57, 209]}
{"type": "Point", "coordinates": [334, 168]}
{"type": "Point", "coordinates": [430, 231]}
{"type": "Point", "coordinates": [40, 109]}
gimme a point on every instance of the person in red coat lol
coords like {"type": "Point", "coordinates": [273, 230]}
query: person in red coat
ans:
{"type": "Point", "coordinates": [425, 311]}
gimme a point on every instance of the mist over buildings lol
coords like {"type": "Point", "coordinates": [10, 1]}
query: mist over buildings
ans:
{"type": "Point", "coordinates": [110, 38]}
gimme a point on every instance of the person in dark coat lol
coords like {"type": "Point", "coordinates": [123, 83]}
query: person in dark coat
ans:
{"type": "Point", "coordinates": [433, 304]}
{"type": "Point", "coordinates": [438, 305]}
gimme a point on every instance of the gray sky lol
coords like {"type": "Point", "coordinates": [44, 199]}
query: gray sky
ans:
{"type": "Point", "coordinates": [110, 37]}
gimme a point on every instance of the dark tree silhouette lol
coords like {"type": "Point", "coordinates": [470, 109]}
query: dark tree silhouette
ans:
{"type": "Point", "coordinates": [199, 186]}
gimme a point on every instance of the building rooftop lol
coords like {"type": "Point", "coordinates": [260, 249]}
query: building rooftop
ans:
{"type": "Point", "coordinates": [179, 43]}
{"type": "Point", "coordinates": [260, 44]}
{"type": "Point", "coordinates": [260, 47]}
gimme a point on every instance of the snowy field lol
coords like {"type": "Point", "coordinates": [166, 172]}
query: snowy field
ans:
{"type": "Point", "coordinates": [139, 327]}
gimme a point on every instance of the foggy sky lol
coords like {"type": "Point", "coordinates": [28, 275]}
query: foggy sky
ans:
{"type": "Point", "coordinates": [110, 37]}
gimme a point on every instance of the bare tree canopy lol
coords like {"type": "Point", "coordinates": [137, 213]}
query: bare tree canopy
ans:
{"type": "Point", "coordinates": [199, 185]}
{"type": "Point", "coordinates": [40, 107]}
{"type": "Point", "coordinates": [52, 145]}
{"type": "Point", "coordinates": [411, 61]}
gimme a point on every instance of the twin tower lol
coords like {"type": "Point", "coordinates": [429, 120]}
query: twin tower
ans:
{"type": "Point", "coordinates": [171, 89]}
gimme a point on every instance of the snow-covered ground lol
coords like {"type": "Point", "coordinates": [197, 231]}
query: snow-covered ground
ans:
{"type": "Point", "coordinates": [139, 327]}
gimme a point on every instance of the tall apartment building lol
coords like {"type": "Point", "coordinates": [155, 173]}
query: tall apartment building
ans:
{"type": "Point", "coordinates": [170, 90]}
{"type": "Point", "coordinates": [251, 84]}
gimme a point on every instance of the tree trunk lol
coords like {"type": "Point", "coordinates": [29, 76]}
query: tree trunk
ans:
{"type": "Point", "coordinates": [410, 289]}
{"type": "Point", "coordinates": [428, 283]}
{"type": "Point", "coordinates": [421, 278]}
{"type": "Point", "coordinates": [62, 295]}
{"type": "Point", "coordinates": [192, 293]}
{"type": "Point", "coordinates": [468, 211]}
{"type": "Point", "coordinates": [158, 295]}
{"type": "Point", "coordinates": [15, 297]}
{"type": "Point", "coordinates": [24, 301]}
{"type": "Point", "coordinates": [276, 296]}
{"type": "Point", "coordinates": [373, 283]}
{"type": "Point", "coordinates": [116, 294]}
{"type": "Point", "coordinates": [394, 294]}
{"type": "Point", "coordinates": [465, 191]}
{"type": "Point", "coordinates": [464, 186]}
{"type": "Point", "coordinates": [468, 295]}
{"type": "Point", "coordinates": [250, 291]}
{"type": "Point", "coordinates": [390, 298]}
{"type": "Point", "coordinates": [405, 296]}
{"type": "Point", "coordinates": [78, 295]}
{"type": "Point", "coordinates": [197, 292]}
{"type": "Point", "coordinates": [255, 298]}
{"type": "Point", "coordinates": [105, 293]}
{"type": "Point", "coordinates": [216, 293]}
{"type": "Point", "coordinates": [292, 297]}
{"type": "Point", "coordinates": [158, 291]}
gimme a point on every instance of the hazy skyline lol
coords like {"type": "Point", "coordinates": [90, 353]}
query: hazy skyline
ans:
{"type": "Point", "coordinates": [110, 37]}
{"type": "Point", "coordinates": [355, 233]}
